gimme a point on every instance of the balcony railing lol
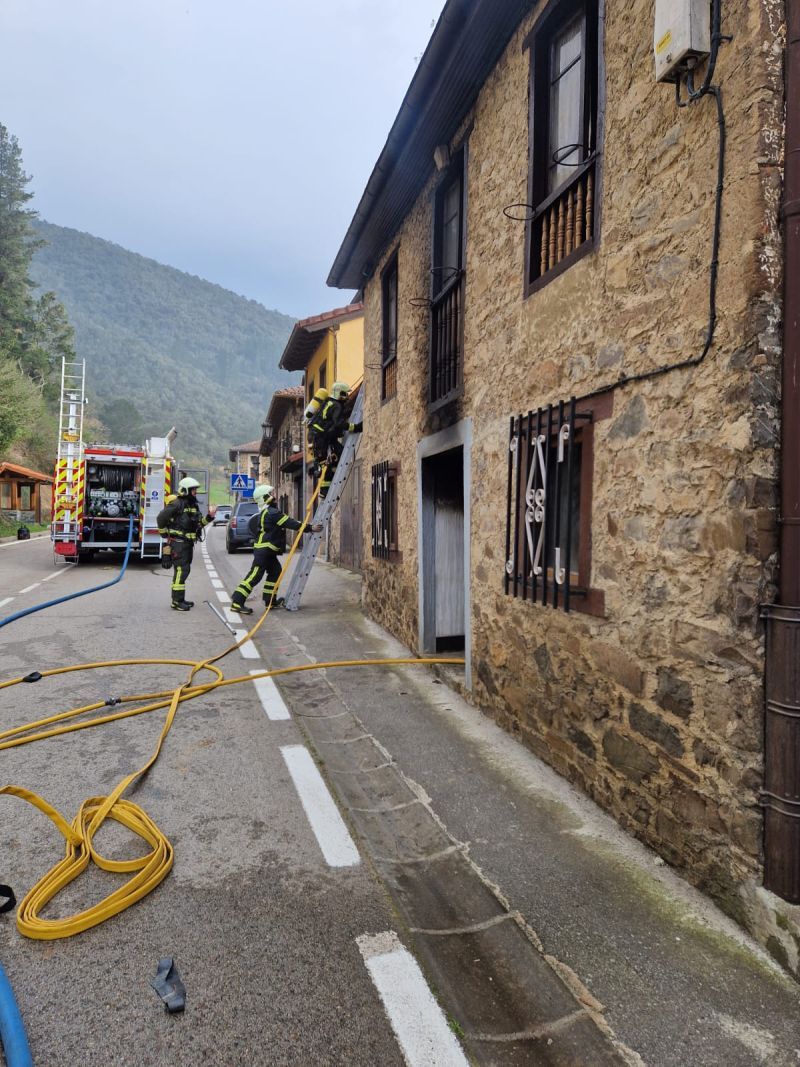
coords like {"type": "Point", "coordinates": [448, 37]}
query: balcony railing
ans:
{"type": "Point", "coordinates": [564, 222]}
{"type": "Point", "coordinates": [446, 338]}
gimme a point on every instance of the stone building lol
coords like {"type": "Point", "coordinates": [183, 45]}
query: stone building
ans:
{"type": "Point", "coordinates": [282, 448]}
{"type": "Point", "coordinates": [245, 459]}
{"type": "Point", "coordinates": [572, 429]}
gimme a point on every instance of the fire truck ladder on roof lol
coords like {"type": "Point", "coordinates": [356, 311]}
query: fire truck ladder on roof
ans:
{"type": "Point", "coordinates": [67, 495]}
{"type": "Point", "coordinates": [305, 562]}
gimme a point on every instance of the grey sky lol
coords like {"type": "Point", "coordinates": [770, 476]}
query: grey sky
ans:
{"type": "Point", "coordinates": [229, 138]}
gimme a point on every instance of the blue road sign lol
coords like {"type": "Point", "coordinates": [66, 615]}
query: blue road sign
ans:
{"type": "Point", "coordinates": [241, 483]}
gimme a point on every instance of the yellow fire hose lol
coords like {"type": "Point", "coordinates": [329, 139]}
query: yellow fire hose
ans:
{"type": "Point", "coordinates": [151, 869]}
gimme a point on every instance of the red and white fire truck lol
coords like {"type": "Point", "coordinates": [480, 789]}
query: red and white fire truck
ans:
{"type": "Point", "coordinates": [98, 487]}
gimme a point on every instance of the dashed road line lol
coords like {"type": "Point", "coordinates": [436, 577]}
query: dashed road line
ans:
{"type": "Point", "coordinates": [248, 649]}
{"type": "Point", "coordinates": [217, 583]}
{"type": "Point", "coordinates": [7, 600]}
{"type": "Point", "coordinates": [55, 574]}
{"type": "Point", "coordinates": [222, 597]}
{"type": "Point", "coordinates": [29, 588]}
{"type": "Point", "coordinates": [270, 697]}
{"type": "Point", "coordinates": [417, 1020]}
{"type": "Point", "coordinates": [332, 835]}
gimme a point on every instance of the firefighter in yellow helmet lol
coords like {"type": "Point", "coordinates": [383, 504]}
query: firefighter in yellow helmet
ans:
{"type": "Point", "coordinates": [268, 528]}
{"type": "Point", "coordinates": [327, 429]}
{"type": "Point", "coordinates": [180, 523]}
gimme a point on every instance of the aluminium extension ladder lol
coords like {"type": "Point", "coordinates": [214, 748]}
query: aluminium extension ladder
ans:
{"type": "Point", "coordinates": [68, 491]}
{"type": "Point", "coordinates": [325, 509]}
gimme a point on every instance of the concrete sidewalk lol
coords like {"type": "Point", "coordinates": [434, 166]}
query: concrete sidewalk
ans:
{"type": "Point", "coordinates": [653, 971]}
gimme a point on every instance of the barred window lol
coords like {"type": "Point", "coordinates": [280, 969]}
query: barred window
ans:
{"type": "Point", "coordinates": [563, 175]}
{"type": "Point", "coordinates": [384, 510]}
{"type": "Point", "coordinates": [447, 284]}
{"type": "Point", "coordinates": [549, 506]}
{"type": "Point", "coordinates": [389, 347]}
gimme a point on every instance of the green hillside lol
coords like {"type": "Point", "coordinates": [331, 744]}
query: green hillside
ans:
{"type": "Point", "coordinates": [164, 348]}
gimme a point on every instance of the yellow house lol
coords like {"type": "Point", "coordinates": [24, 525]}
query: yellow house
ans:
{"type": "Point", "coordinates": [329, 348]}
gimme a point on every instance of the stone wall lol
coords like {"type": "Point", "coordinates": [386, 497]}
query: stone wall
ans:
{"type": "Point", "coordinates": [655, 708]}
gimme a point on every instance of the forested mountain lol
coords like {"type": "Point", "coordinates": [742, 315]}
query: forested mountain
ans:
{"type": "Point", "coordinates": [164, 348]}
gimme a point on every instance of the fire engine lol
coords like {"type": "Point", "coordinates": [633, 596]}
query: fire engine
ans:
{"type": "Point", "coordinates": [98, 488]}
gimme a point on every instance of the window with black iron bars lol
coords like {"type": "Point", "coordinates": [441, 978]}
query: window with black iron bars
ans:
{"type": "Point", "coordinates": [547, 521]}
{"type": "Point", "coordinates": [384, 510]}
{"type": "Point", "coordinates": [389, 283]}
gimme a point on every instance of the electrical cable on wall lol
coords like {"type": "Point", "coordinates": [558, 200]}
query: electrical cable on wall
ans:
{"type": "Point", "coordinates": [693, 96]}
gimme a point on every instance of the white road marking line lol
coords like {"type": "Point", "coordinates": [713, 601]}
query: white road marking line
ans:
{"type": "Point", "coordinates": [333, 837]}
{"type": "Point", "coordinates": [223, 597]}
{"type": "Point", "coordinates": [248, 649]}
{"type": "Point", "coordinates": [28, 588]}
{"type": "Point", "coordinates": [7, 600]}
{"type": "Point", "coordinates": [217, 583]}
{"type": "Point", "coordinates": [212, 573]}
{"type": "Point", "coordinates": [55, 574]}
{"type": "Point", "coordinates": [417, 1020]}
{"type": "Point", "coordinates": [271, 699]}
{"type": "Point", "coordinates": [25, 541]}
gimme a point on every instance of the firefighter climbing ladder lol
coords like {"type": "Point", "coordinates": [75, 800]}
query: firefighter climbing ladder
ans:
{"type": "Point", "coordinates": [69, 467]}
{"type": "Point", "coordinates": [305, 562]}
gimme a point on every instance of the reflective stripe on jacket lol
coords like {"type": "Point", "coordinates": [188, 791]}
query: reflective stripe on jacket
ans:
{"type": "Point", "coordinates": [181, 519]}
{"type": "Point", "coordinates": [272, 527]}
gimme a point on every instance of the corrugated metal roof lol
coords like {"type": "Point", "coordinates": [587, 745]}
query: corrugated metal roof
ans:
{"type": "Point", "coordinates": [467, 43]}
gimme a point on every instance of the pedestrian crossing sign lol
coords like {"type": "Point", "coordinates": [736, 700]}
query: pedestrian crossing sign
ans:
{"type": "Point", "coordinates": [240, 483]}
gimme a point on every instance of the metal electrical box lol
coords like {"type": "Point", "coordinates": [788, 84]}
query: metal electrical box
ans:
{"type": "Point", "coordinates": [682, 36]}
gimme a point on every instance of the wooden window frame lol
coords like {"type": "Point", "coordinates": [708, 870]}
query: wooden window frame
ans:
{"type": "Point", "coordinates": [389, 349]}
{"type": "Point", "coordinates": [447, 285]}
{"type": "Point", "coordinates": [555, 17]}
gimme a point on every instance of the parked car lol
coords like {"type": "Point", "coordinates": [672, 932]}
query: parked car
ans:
{"type": "Point", "coordinates": [238, 533]}
{"type": "Point", "coordinates": [223, 514]}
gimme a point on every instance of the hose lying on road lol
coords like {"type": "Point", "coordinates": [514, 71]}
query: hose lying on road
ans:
{"type": "Point", "coordinates": [149, 870]}
{"type": "Point", "coordinates": [12, 1032]}
{"type": "Point", "coordinates": [81, 592]}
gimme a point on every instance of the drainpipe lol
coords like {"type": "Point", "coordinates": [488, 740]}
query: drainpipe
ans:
{"type": "Point", "coordinates": [781, 793]}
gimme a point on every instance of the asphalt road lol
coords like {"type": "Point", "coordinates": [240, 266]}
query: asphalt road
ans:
{"type": "Point", "coordinates": [347, 842]}
{"type": "Point", "coordinates": [263, 927]}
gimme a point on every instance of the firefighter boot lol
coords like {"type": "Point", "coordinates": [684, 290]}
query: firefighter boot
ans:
{"type": "Point", "coordinates": [241, 609]}
{"type": "Point", "coordinates": [180, 603]}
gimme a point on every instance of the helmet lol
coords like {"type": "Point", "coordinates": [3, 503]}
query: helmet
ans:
{"type": "Point", "coordinates": [185, 484]}
{"type": "Point", "coordinates": [263, 492]}
{"type": "Point", "coordinates": [339, 390]}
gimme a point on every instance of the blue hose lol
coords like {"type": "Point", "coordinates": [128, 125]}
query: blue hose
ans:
{"type": "Point", "coordinates": [83, 592]}
{"type": "Point", "coordinates": [16, 1049]}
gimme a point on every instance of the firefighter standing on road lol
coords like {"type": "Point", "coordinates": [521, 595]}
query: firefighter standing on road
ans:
{"type": "Point", "coordinates": [180, 522]}
{"type": "Point", "coordinates": [269, 528]}
{"type": "Point", "coordinates": [326, 429]}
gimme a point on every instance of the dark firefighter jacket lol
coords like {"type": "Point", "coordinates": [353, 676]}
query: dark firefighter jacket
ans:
{"type": "Point", "coordinates": [269, 528]}
{"type": "Point", "coordinates": [331, 421]}
{"type": "Point", "coordinates": [181, 519]}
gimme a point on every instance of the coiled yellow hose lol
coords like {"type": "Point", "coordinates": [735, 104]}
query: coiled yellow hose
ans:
{"type": "Point", "coordinates": [149, 870]}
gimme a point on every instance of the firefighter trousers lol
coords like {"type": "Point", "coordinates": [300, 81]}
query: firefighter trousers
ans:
{"type": "Point", "coordinates": [182, 553]}
{"type": "Point", "coordinates": [266, 563]}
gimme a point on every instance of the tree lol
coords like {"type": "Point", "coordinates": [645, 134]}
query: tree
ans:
{"type": "Point", "coordinates": [21, 403]}
{"type": "Point", "coordinates": [17, 245]}
{"type": "Point", "coordinates": [34, 331]}
{"type": "Point", "coordinates": [124, 421]}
